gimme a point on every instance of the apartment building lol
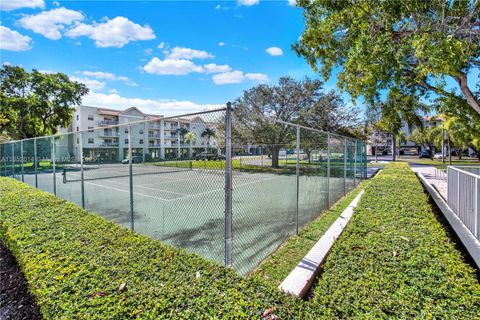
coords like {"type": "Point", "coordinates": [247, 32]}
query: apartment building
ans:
{"type": "Point", "coordinates": [107, 138]}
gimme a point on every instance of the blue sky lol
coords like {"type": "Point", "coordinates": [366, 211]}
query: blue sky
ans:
{"type": "Point", "coordinates": [165, 57]}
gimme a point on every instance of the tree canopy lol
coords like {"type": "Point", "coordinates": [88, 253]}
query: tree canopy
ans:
{"type": "Point", "coordinates": [35, 104]}
{"type": "Point", "coordinates": [295, 101]}
{"type": "Point", "coordinates": [413, 46]}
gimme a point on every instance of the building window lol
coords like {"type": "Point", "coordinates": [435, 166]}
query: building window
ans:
{"type": "Point", "coordinates": [141, 141]}
{"type": "Point", "coordinates": [77, 117]}
{"type": "Point", "coordinates": [90, 129]}
{"type": "Point", "coordinates": [126, 130]}
{"type": "Point", "coordinates": [90, 117]}
{"type": "Point", "coordinates": [78, 140]}
{"type": "Point", "coordinates": [78, 129]}
{"type": "Point", "coordinates": [90, 140]}
{"type": "Point", "coordinates": [126, 141]}
{"type": "Point", "coordinates": [141, 131]}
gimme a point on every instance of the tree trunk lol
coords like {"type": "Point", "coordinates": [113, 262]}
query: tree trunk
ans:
{"type": "Point", "coordinates": [449, 151]}
{"type": "Point", "coordinates": [471, 100]}
{"type": "Point", "coordinates": [275, 154]}
{"type": "Point", "coordinates": [394, 148]}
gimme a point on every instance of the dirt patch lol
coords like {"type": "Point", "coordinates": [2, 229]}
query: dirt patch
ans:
{"type": "Point", "coordinates": [15, 300]}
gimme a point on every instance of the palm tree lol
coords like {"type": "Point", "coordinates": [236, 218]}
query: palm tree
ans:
{"type": "Point", "coordinates": [208, 133]}
{"type": "Point", "coordinates": [397, 110]}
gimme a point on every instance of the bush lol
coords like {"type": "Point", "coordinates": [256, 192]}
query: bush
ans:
{"type": "Point", "coordinates": [395, 259]}
{"type": "Point", "coordinates": [75, 263]}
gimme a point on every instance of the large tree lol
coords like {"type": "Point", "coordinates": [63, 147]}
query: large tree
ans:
{"type": "Point", "coordinates": [36, 103]}
{"type": "Point", "coordinates": [379, 45]}
{"type": "Point", "coordinates": [261, 113]}
{"type": "Point", "coordinates": [282, 102]}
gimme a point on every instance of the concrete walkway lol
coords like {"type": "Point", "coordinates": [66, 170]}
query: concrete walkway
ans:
{"type": "Point", "coordinates": [433, 177]}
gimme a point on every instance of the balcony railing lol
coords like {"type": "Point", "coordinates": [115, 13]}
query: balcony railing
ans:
{"type": "Point", "coordinates": [109, 144]}
{"type": "Point", "coordinates": [108, 122]}
{"type": "Point", "coordinates": [154, 136]}
{"type": "Point", "coordinates": [109, 134]}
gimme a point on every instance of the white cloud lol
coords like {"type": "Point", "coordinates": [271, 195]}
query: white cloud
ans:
{"type": "Point", "coordinates": [51, 23]}
{"type": "Point", "coordinates": [150, 106]}
{"type": "Point", "coordinates": [215, 68]}
{"type": "Point", "coordinates": [238, 77]}
{"type": "Point", "coordinates": [228, 77]}
{"type": "Point", "coordinates": [161, 45]}
{"type": "Point", "coordinates": [221, 44]}
{"type": "Point", "coordinates": [293, 3]}
{"type": "Point", "coordinates": [56, 3]}
{"type": "Point", "coordinates": [92, 84]}
{"type": "Point", "coordinates": [13, 41]}
{"type": "Point", "coordinates": [148, 51]}
{"type": "Point", "coordinates": [218, 7]}
{"type": "Point", "coordinates": [189, 54]}
{"type": "Point", "coordinates": [248, 2]}
{"type": "Point", "coordinates": [274, 51]}
{"type": "Point", "coordinates": [171, 67]}
{"type": "Point", "coordinates": [108, 76]}
{"type": "Point", "coordinates": [8, 5]}
{"type": "Point", "coordinates": [116, 32]}
{"type": "Point", "coordinates": [99, 75]}
{"type": "Point", "coordinates": [260, 77]}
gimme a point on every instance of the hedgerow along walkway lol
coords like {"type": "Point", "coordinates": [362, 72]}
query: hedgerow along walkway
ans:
{"type": "Point", "coordinates": [394, 260]}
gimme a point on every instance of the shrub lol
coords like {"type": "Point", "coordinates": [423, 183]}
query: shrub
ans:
{"type": "Point", "coordinates": [395, 259]}
{"type": "Point", "coordinates": [75, 263]}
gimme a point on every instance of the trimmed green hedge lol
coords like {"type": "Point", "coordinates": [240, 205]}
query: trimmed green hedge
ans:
{"type": "Point", "coordinates": [395, 260]}
{"type": "Point", "coordinates": [75, 263]}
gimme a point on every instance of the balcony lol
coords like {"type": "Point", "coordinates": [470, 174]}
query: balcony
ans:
{"type": "Point", "coordinates": [109, 144]}
{"type": "Point", "coordinates": [154, 126]}
{"type": "Point", "coordinates": [153, 136]}
{"type": "Point", "coordinates": [108, 122]}
{"type": "Point", "coordinates": [109, 134]}
{"type": "Point", "coordinates": [154, 145]}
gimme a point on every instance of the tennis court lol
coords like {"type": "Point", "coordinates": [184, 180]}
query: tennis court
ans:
{"type": "Point", "coordinates": [185, 207]}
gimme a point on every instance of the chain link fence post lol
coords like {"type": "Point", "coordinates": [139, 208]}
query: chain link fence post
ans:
{"type": "Point", "coordinates": [345, 166]}
{"type": "Point", "coordinates": [21, 160]}
{"type": "Point", "coordinates": [54, 167]}
{"type": "Point", "coordinates": [228, 186]}
{"type": "Point", "coordinates": [328, 170]}
{"type": "Point", "coordinates": [297, 173]}
{"type": "Point", "coordinates": [35, 161]}
{"type": "Point", "coordinates": [82, 180]}
{"type": "Point", "coordinates": [130, 176]}
{"type": "Point", "coordinates": [355, 165]}
{"type": "Point", "coordinates": [13, 160]}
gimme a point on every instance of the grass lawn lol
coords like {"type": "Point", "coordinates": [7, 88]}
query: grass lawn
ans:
{"type": "Point", "coordinates": [277, 267]}
{"type": "Point", "coordinates": [438, 163]}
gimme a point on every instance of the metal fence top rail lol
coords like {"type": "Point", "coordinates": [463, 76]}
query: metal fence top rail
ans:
{"type": "Point", "coordinates": [465, 172]}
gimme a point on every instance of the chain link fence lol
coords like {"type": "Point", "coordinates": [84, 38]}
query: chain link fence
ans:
{"type": "Point", "coordinates": [228, 185]}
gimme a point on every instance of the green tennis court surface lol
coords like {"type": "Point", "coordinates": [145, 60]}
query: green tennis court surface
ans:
{"type": "Point", "coordinates": [185, 207]}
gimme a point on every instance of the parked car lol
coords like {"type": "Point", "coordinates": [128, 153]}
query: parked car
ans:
{"type": "Point", "coordinates": [438, 156]}
{"type": "Point", "coordinates": [135, 159]}
{"type": "Point", "coordinates": [205, 156]}
{"type": "Point", "coordinates": [425, 154]}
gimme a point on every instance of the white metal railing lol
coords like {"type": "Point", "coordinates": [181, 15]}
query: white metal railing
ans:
{"type": "Point", "coordinates": [463, 196]}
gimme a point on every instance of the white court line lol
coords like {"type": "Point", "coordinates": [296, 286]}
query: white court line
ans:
{"type": "Point", "coordinates": [127, 191]}
{"type": "Point", "coordinates": [139, 186]}
{"type": "Point", "coordinates": [216, 190]}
